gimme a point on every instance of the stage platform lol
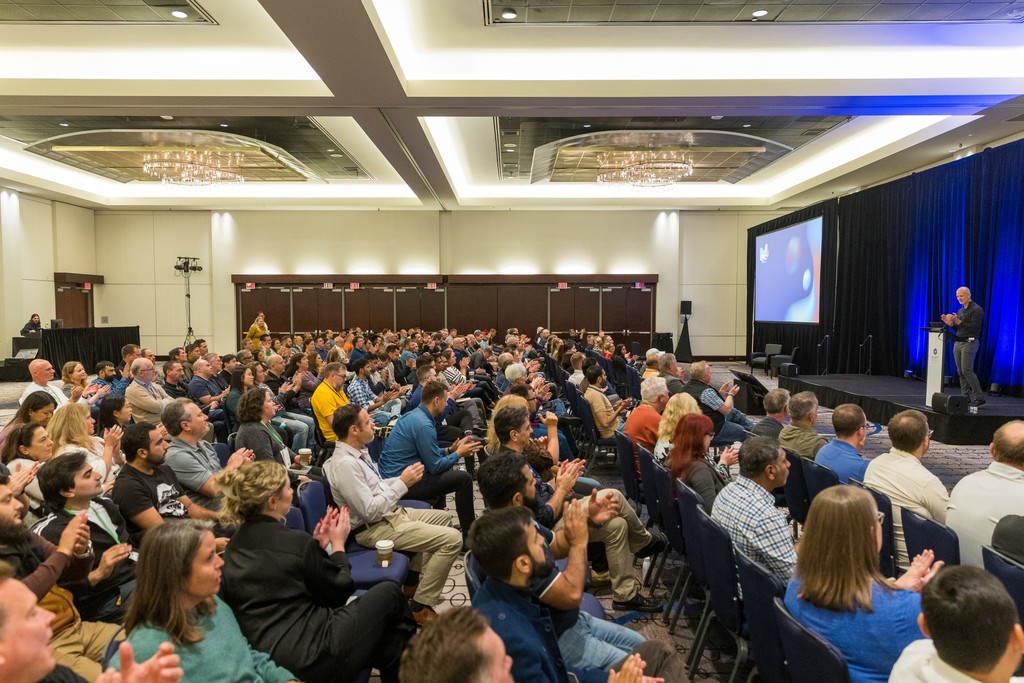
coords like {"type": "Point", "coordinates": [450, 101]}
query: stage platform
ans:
{"type": "Point", "coordinates": [883, 397]}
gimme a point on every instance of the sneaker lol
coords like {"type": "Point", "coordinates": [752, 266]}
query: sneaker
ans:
{"type": "Point", "coordinates": [424, 616]}
{"type": "Point", "coordinates": [979, 402]}
{"type": "Point", "coordinates": [657, 543]}
{"type": "Point", "coordinates": [639, 603]}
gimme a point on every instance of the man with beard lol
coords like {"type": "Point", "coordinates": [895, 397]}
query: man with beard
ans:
{"type": "Point", "coordinates": [39, 564]}
{"type": "Point", "coordinates": [513, 555]}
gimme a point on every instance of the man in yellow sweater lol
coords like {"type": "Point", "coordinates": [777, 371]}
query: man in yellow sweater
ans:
{"type": "Point", "coordinates": [328, 397]}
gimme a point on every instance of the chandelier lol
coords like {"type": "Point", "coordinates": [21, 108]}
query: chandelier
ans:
{"type": "Point", "coordinates": [644, 168]}
{"type": "Point", "coordinates": [194, 167]}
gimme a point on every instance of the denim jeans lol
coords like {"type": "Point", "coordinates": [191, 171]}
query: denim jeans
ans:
{"type": "Point", "coordinates": [596, 644]}
{"type": "Point", "coordinates": [303, 433]}
{"type": "Point", "coordinates": [963, 355]}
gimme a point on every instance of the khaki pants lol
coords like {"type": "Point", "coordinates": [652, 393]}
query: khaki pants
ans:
{"type": "Point", "coordinates": [430, 535]}
{"type": "Point", "coordinates": [622, 536]}
{"type": "Point", "coordinates": [81, 646]}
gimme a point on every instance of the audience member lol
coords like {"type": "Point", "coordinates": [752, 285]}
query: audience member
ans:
{"type": "Point", "coordinates": [642, 424]}
{"type": "Point", "coordinates": [842, 454]}
{"type": "Point", "coordinates": [677, 406]}
{"type": "Point", "coordinates": [383, 408]}
{"type": "Point", "coordinates": [25, 630]}
{"type": "Point", "coordinates": [607, 418]}
{"type": "Point", "coordinates": [193, 460]}
{"type": "Point", "coordinates": [974, 630]}
{"type": "Point", "coordinates": [145, 395]}
{"type": "Point", "coordinates": [511, 553]}
{"type": "Point", "coordinates": [29, 446]}
{"type": "Point", "coordinates": [577, 368]}
{"type": "Point", "coordinates": [690, 459]}
{"type": "Point", "coordinates": [107, 376]}
{"type": "Point", "coordinates": [42, 372]}
{"type": "Point", "coordinates": [37, 407]}
{"type": "Point", "coordinates": [146, 490]}
{"type": "Point", "coordinates": [258, 328]}
{"type": "Point", "coordinates": [373, 501]}
{"type": "Point", "coordinates": [651, 363]}
{"type": "Point", "coordinates": [192, 354]}
{"type": "Point", "coordinates": [39, 564]}
{"type": "Point", "coordinates": [242, 380]}
{"type": "Point", "coordinates": [731, 425]}
{"type": "Point", "coordinates": [70, 486]}
{"type": "Point", "coordinates": [33, 328]}
{"type": "Point", "coordinates": [776, 408]}
{"type": "Point", "coordinates": [307, 623]}
{"type": "Point", "coordinates": [174, 383]}
{"type": "Point", "coordinates": [839, 592]}
{"type": "Point", "coordinates": [73, 428]}
{"type": "Point", "coordinates": [746, 507]}
{"type": "Point", "coordinates": [328, 397]}
{"type": "Point", "coordinates": [614, 523]}
{"type": "Point", "coordinates": [669, 370]}
{"type": "Point", "coordinates": [74, 376]}
{"type": "Point", "coordinates": [900, 475]}
{"type": "Point", "coordinates": [1008, 537]}
{"type": "Point", "coordinates": [457, 647]}
{"type": "Point", "coordinates": [178, 577]}
{"type": "Point", "coordinates": [258, 434]}
{"type": "Point", "coordinates": [981, 499]}
{"type": "Point", "coordinates": [129, 352]}
{"type": "Point", "coordinates": [799, 436]}
{"type": "Point", "coordinates": [207, 394]}
{"type": "Point", "coordinates": [114, 411]}
{"type": "Point", "coordinates": [414, 439]}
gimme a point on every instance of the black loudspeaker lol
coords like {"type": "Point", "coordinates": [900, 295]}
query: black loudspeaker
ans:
{"type": "Point", "coordinates": [685, 308]}
{"type": "Point", "coordinates": [789, 370]}
{"type": "Point", "coordinates": [949, 405]}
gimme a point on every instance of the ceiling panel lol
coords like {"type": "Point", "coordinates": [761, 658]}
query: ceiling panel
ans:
{"type": "Point", "coordinates": [104, 11]}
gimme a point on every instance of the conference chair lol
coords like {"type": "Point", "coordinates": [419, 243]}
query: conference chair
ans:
{"type": "Point", "coordinates": [475, 578]}
{"type": "Point", "coordinates": [921, 533]}
{"type": "Point", "coordinates": [293, 519]}
{"type": "Point", "coordinates": [636, 349]}
{"type": "Point", "coordinates": [760, 588]}
{"type": "Point", "coordinates": [780, 358]}
{"type": "Point", "coordinates": [312, 503]}
{"type": "Point", "coordinates": [627, 468]}
{"type": "Point", "coordinates": [887, 555]}
{"type": "Point", "coordinates": [797, 500]}
{"type": "Point", "coordinates": [809, 657]}
{"type": "Point", "coordinates": [1007, 570]}
{"type": "Point", "coordinates": [817, 478]}
{"type": "Point", "coordinates": [673, 527]}
{"type": "Point", "coordinates": [689, 504]}
{"type": "Point", "coordinates": [723, 582]}
{"type": "Point", "coordinates": [223, 453]}
{"type": "Point", "coordinates": [760, 359]}
{"type": "Point", "coordinates": [595, 444]}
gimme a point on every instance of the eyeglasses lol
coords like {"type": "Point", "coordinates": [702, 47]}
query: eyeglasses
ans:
{"type": "Point", "coordinates": [880, 516]}
{"type": "Point", "coordinates": [930, 432]}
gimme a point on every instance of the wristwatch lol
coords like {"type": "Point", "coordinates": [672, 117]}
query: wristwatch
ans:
{"type": "Point", "coordinates": [87, 553]}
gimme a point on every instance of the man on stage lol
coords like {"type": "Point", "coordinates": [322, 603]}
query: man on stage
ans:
{"type": "Point", "coordinates": [967, 325]}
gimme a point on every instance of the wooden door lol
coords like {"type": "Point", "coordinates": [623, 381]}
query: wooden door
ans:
{"type": "Point", "coordinates": [329, 309]}
{"type": "Point", "coordinates": [306, 309]}
{"type": "Point", "coordinates": [357, 308]}
{"type": "Point", "coordinates": [432, 309]}
{"type": "Point", "coordinates": [639, 317]}
{"type": "Point", "coordinates": [562, 317]}
{"type": "Point", "coordinates": [407, 307]}
{"type": "Point", "coordinates": [473, 307]}
{"type": "Point", "coordinates": [382, 308]}
{"type": "Point", "coordinates": [73, 305]}
{"type": "Point", "coordinates": [587, 312]}
{"type": "Point", "coordinates": [522, 306]}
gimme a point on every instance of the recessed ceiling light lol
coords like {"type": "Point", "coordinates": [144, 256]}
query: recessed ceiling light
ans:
{"type": "Point", "coordinates": [760, 12]}
{"type": "Point", "coordinates": [507, 150]}
{"type": "Point", "coordinates": [63, 125]}
{"type": "Point", "coordinates": [746, 125]}
{"type": "Point", "coordinates": [330, 150]}
{"type": "Point", "coordinates": [223, 125]}
{"type": "Point", "coordinates": [337, 156]}
{"type": "Point", "coordinates": [586, 125]}
{"type": "Point", "coordinates": [165, 117]}
{"type": "Point", "coordinates": [178, 14]}
{"type": "Point", "coordinates": [509, 145]}
{"type": "Point", "coordinates": [509, 13]}
{"type": "Point", "coordinates": [717, 118]}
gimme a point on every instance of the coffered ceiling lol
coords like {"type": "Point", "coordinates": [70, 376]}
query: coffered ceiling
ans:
{"type": "Point", "coordinates": [411, 103]}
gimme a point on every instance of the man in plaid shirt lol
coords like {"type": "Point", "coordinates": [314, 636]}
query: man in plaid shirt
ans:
{"type": "Point", "coordinates": [746, 507]}
{"type": "Point", "coordinates": [381, 408]}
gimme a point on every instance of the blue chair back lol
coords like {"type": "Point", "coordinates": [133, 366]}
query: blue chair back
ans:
{"type": "Point", "coordinates": [313, 503]}
{"type": "Point", "coordinates": [809, 657]}
{"type": "Point", "coordinates": [572, 394]}
{"type": "Point", "coordinates": [689, 503]}
{"type": "Point", "coordinates": [817, 478]}
{"type": "Point", "coordinates": [223, 452]}
{"type": "Point", "coordinates": [589, 426]}
{"type": "Point", "coordinates": [375, 448]}
{"type": "Point", "coordinates": [1007, 570]}
{"type": "Point", "coordinates": [633, 381]}
{"type": "Point", "coordinates": [636, 349]}
{"type": "Point", "coordinates": [921, 533]}
{"type": "Point", "coordinates": [721, 571]}
{"type": "Point", "coordinates": [887, 555]}
{"type": "Point", "coordinates": [474, 575]}
{"type": "Point", "coordinates": [670, 520]}
{"type": "Point", "coordinates": [650, 488]}
{"type": "Point", "coordinates": [293, 519]}
{"type": "Point", "coordinates": [796, 489]}
{"type": "Point", "coordinates": [231, 441]}
{"type": "Point", "coordinates": [760, 588]}
{"type": "Point", "coordinates": [627, 466]}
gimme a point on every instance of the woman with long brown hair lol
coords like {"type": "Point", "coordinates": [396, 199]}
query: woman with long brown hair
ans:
{"type": "Point", "coordinates": [74, 376]}
{"type": "Point", "coordinates": [688, 459]}
{"type": "Point", "coordinates": [838, 590]}
{"type": "Point", "coordinates": [176, 583]}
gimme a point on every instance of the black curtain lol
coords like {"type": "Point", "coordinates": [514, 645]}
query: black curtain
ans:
{"type": "Point", "coordinates": [792, 335]}
{"type": "Point", "coordinates": [88, 345]}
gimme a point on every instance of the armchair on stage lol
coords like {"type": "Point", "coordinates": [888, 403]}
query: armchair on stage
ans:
{"type": "Point", "coordinates": [763, 360]}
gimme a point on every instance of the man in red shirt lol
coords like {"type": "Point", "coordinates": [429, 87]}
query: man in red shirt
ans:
{"type": "Point", "coordinates": [642, 424]}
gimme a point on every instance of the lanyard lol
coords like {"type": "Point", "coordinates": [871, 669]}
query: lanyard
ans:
{"type": "Point", "coordinates": [94, 515]}
{"type": "Point", "coordinates": [273, 433]}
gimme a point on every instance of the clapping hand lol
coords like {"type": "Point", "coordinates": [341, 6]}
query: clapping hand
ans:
{"type": "Point", "coordinates": [602, 509]}
{"type": "Point", "coordinates": [22, 477]}
{"type": "Point", "coordinates": [575, 523]}
{"type": "Point", "coordinates": [163, 667]}
{"type": "Point", "coordinates": [921, 571]}
{"type": "Point", "coordinates": [239, 458]}
{"type": "Point", "coordinates": [333, 529]}
{"type": "Point", "coordinates": [112, 436]}
{"type": "Point", "coordinates": [730, 456]}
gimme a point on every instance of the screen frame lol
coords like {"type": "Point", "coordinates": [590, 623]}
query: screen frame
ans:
{"type": "Point", "coordinates": [821, 265]}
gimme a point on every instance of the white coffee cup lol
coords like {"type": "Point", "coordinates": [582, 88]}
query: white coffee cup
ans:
{"type": "Point", "coordinates": [384, 551]}
{"type": "Point", "coordinates": [305, 455]}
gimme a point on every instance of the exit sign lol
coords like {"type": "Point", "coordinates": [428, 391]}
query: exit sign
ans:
{"type": "Point", "coordinates": [250, 285]}
{"type": "Point", "coordinates": [431, 285]}
{"type": "Point", "coordinates": [328, 285]}
{"type": "Point", "coordinates": [638, 285]}
{"type": "Point", "coordinates": [353, 285]}
{"type": "Point", "coordinates": [563, 285]}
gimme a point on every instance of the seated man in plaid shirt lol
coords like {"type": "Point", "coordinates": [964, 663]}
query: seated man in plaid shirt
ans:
{"type": "Point", "coordinates": [746, 507]}
{"type": "Point", "coordinates": [382, 408]}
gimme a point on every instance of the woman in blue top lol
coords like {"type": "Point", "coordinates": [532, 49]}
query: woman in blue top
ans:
{"type": "Point", "coordinates": [839, 592]}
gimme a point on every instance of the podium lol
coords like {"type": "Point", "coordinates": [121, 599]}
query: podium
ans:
{"type": "Point", "coordinates": [936, 362]}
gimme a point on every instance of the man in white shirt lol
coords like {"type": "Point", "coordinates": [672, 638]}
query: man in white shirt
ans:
{"type": "Point", "coordinates": [377, 516]}
{"type": "Point", "coordinates": [900, 475]}
{"type": "Point", "coordinates": [974, 629]}
{"type": "Point", "coordinates": [981, 499]}
{"type": "Point", "coordinates": [42, 373]}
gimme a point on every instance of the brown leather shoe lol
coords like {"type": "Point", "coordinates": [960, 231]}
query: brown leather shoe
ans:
{"type": "Point", "coordinates": [409, 591]}
{"type": "Point", "coordinates": [424, 616]}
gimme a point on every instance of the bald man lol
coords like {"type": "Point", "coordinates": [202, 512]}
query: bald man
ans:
{"type": "Point", "coordinates": [966, 323]}
{"type": "Point", "coordinates": [42, 372]}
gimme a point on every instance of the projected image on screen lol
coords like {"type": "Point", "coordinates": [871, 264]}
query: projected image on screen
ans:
{"type": "Point", "coordinates": [787, 272]}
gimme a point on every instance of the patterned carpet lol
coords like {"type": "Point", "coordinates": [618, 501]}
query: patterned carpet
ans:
{"type": "Point", "coordinates": [949, 463]}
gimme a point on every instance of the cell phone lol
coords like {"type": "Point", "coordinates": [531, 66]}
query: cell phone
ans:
{"type": "Point", "coordinates": [133, 556]}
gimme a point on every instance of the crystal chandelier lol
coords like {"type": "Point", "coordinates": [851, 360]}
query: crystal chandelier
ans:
{"type": "Point", "coordinates": [644, 168]}
{"type": "Point", "coordinates": [194, 167]}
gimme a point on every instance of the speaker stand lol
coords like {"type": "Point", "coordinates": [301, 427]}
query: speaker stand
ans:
{"type": "Point", "coordinates": [683, 352]}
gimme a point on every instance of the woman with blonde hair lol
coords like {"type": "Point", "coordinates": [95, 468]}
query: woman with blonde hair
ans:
{"type": "Point", "coordinates": [677, 406]}
{"type": "Point", "coordinates": [72, 428]}
{"type": "Point", "coordinates": [177, 579]}
{"type": "Point", "coordinates": [74, 375]}
{"type": "Point", "coordinates": [306, 623]}
{"type": "Point", "coordinates": [838, 591]}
